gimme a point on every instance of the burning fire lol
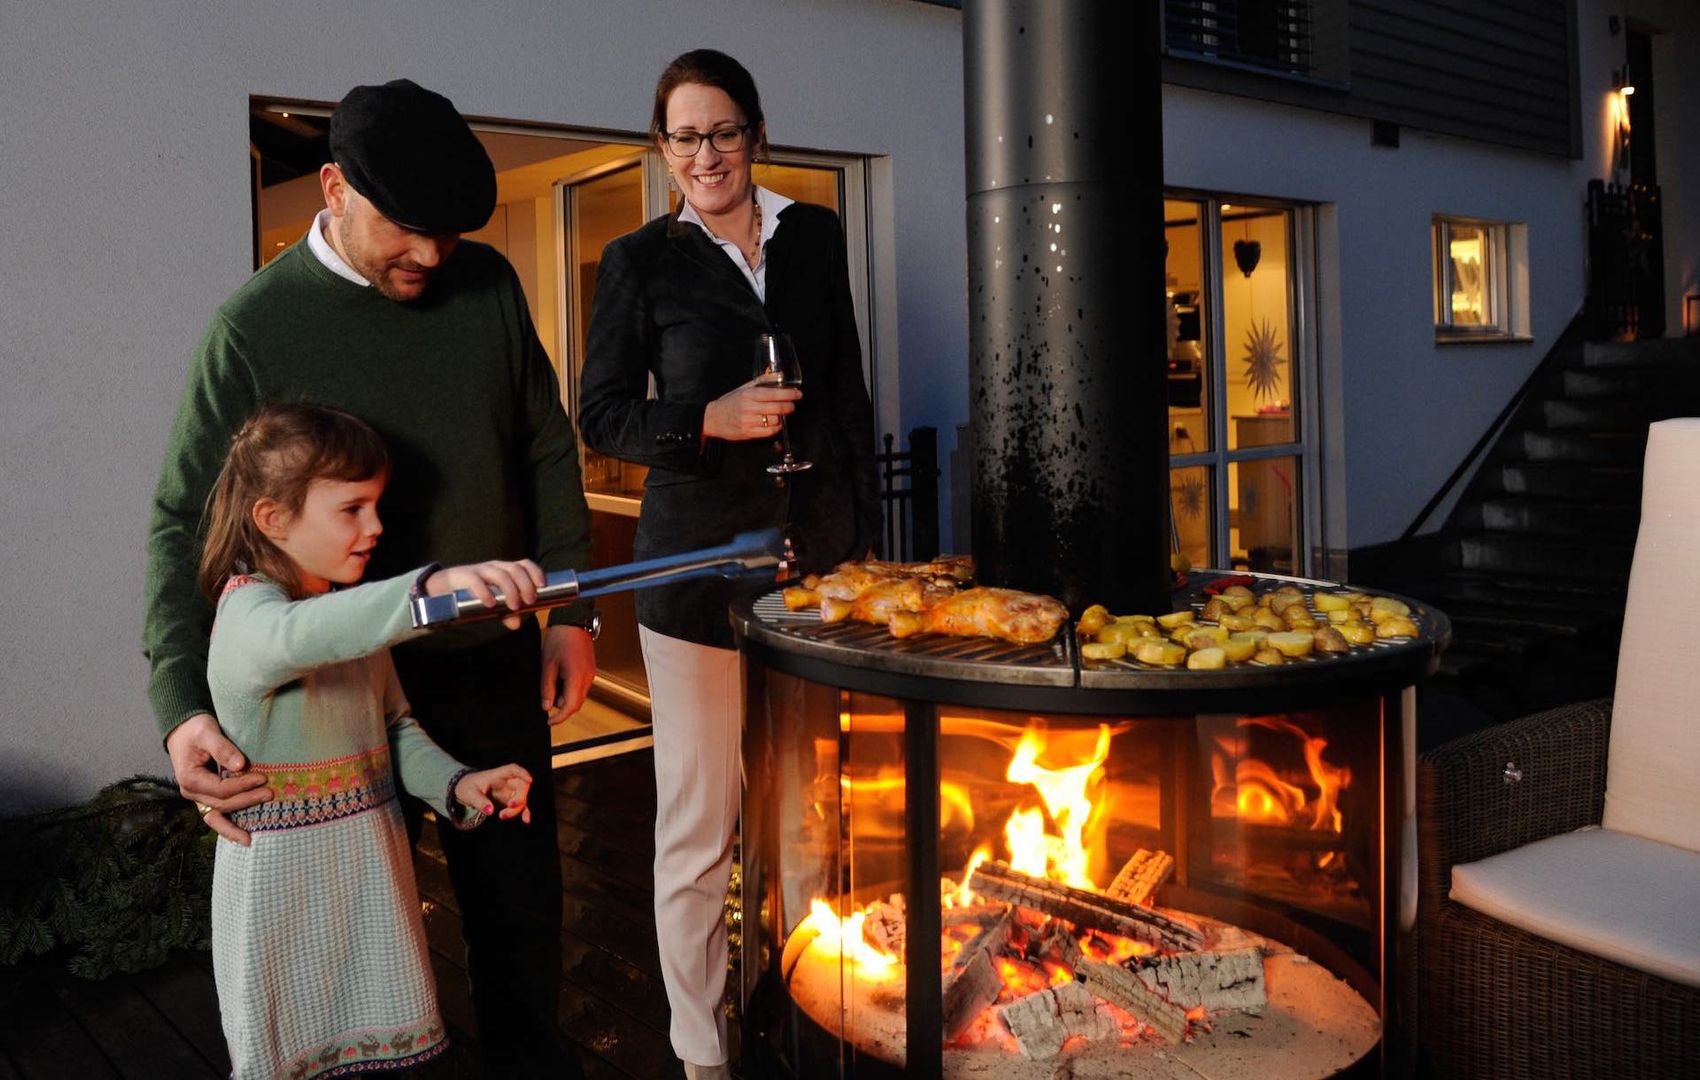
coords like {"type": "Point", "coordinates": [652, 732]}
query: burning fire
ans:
{"type": "Point", "coordinates": [1046, 837]}
{"type": "Point", "coordinates": [1032, 850]}
{"type": "Point", "coordinates": [1256, 793]}
{"type": "Point", "coordinates": [843, 936]}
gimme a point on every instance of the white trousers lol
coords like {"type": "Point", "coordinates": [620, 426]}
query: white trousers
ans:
{"type": "Point", "coordinates": [696, 697]}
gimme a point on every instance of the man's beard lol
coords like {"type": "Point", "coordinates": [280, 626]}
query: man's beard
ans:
{"type": "Point", "coordinates": [376, 273]}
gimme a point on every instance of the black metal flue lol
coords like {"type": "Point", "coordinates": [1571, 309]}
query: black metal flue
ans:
{"type": "Point", "coordinates": [1066, 318]}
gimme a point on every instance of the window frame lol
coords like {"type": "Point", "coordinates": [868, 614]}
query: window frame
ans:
{"type": "Point", "coordinates": [1499, 241]}
{"type": "Point", "coordinates": [1304, 448]}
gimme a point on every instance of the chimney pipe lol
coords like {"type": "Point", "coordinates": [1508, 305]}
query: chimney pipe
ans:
{"type": "Point", "coordinates": [1066, 317]}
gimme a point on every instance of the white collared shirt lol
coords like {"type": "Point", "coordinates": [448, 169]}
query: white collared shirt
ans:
{"type": "Point", "coordinates": [322, 250]}
{"type": "Point", "coordinates": [771, 203]}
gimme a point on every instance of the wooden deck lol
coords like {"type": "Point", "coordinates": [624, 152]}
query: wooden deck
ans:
{"type": "Point", "coordinates": [165, 1024]}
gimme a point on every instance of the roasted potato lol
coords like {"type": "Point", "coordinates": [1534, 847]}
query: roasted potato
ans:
{"type": "Point", "coordinates": [1330, 640]}
{"type": "Point", "coordinates": [1395, 626]}
{"type": "Point", "coordinates": [1241, 647]}
{"type": "Point", "coordinates": [1163, 653]}
{"type": "Point", "coordinates": [1103, 650]}
{"type": "Point", "coordinates": [1207, 660]}
{"type": "Point", "coordinates": [1293, 642]}
{"type": "Point", "coordinates": [1357, 633]}
{"type": "Point", "coordinates": [1094, 619]}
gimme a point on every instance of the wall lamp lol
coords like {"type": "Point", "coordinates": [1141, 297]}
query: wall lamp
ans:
{"type": "Point", "coordinates": [1622, 88]}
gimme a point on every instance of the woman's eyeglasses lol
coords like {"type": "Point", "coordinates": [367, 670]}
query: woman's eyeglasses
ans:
{"type": "Point", "coordinates": [724, 140]}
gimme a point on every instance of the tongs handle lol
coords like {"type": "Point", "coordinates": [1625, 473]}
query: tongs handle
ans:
{"type": "Point", "coordinates": [747, 552]}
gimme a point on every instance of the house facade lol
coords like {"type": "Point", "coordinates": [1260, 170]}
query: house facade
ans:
{"type": "Point", "coordinates": [1375, 226]}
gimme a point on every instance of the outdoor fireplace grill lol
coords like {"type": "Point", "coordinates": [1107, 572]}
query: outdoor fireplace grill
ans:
{"type": "Point", "coordinates": [876, 768]}
{"type": "Point", "coordinates": [1126, 870]}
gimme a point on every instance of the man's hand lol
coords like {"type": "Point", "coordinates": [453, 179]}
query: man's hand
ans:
{"type": "Point", "coordinates": [198, 750]}
{"type": "Point", "coordinates": [569, 663]}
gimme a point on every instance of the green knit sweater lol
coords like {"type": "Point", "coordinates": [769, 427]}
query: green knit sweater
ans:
{"type": "Point", "coordinates": [485, 464]}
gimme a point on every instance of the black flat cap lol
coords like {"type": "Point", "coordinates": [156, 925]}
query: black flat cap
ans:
{"type": "Point", "coordinates": [408, 151]}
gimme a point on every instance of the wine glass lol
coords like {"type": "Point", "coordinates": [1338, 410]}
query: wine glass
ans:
{"type": "Point", "coordinates": [776, 365]}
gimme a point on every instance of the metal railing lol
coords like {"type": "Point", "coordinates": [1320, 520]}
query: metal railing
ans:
{"type": "Point", "coordinates": [1303, 38]}
{"type": "Point", "coordinates": [1626, 279]}
{"type": "Point", "coordinates": [909, 491]}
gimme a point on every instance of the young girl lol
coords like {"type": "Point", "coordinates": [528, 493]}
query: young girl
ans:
{"type": "Point", "coordinates": [318, 950]}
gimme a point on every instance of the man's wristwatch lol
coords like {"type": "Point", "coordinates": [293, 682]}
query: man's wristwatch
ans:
{"type": "Point", "coordinates": [590, 623]}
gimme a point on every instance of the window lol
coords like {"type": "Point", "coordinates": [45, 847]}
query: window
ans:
{"type": "Point", "coordinates": [1480, 279]}
{"type": "Point", "coordinates": [1239, 355]}
{"type": "Point", "coordinates": [1300, 38]}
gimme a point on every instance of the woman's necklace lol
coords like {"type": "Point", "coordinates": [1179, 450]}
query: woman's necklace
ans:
{"type": "Point", "coordinates": [753, 257]}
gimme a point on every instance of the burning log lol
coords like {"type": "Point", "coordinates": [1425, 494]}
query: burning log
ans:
{"type": "Point", "coordinates": [1087, 910]}
{"type": "Point", "coordinates": [968, 991]}
{"type": "Point", "coordinates": [1121, 987]}
{"type": "Point", "coordinates": [1042, 1022]}
{"type": "Point", "coordinates": [1059, 941]}
{"type": "Point", "coordinates": [1223, 979]}
{"type": "Point", "coordinates": [991, 940]}
{"type": "Point", "coordinates": [886, 925]}
{"type": "Point", "coordinates": [1139, 878]}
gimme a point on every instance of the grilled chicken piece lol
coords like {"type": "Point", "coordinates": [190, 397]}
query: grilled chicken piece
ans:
{"type": "Point", "coordinates": [1005, 614]}
{"type": "Point", "coordinates": [851, 579]}
{"type": "Point", "coordinates": [878, 602]}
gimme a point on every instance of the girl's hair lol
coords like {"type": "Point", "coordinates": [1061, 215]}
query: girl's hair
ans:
{"type": "Point", "coordinates": [276, 455]}
{"type": "Point", "coordinates": [709, 67]}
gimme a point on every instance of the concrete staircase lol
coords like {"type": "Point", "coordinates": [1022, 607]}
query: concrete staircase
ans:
{"type": "Point", "coordinates": [1533, 563]}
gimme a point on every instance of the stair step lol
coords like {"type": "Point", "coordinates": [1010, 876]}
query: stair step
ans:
{"type": "Point", "coordinates": [1461, 663]}
{"type": "Point", "coordinates": [1529, 554]}
{"type": "Point", "coordinates": [1654, 379]}
{"type": "Point", "coordinates": [1497, 642]}
{"type": "Point", "coordinates": [1635, 353]}
{"type": "Point", "coordinates": [1600, 414]}
{"type": "Point", "coordinates": [1542, 514]}
{"type": "Point", "coordinates": [1569, 480]}
{"type": "Point", "coordinates": [1473, 622]}
{"type": "Point", "coordinates": [1599, 448]}
{"type": "Point", "coordinates": [1461, 588]}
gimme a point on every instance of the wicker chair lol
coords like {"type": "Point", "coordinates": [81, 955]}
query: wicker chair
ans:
{"type": "Point", "coordinates": [1497, 1000]}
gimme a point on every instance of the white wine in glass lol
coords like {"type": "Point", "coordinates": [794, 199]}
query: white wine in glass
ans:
{"type": "Point", "coordinates": [776, 365]}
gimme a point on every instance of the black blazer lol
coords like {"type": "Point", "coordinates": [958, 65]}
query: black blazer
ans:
{"type": "Point", "coordinates": [669, 303]}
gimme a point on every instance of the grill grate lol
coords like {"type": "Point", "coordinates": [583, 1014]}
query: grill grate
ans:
{"type": "Point", "coordinates": [1058, 662]}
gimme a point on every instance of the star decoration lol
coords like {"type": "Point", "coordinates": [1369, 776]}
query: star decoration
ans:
{"type": "Point", "coordinates": [1262, 361]}
{"type": "Point", "coordinates": [1190, 496]}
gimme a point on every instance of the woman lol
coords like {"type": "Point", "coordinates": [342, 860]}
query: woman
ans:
{"type": "Point", "coordinates": [683, 300]}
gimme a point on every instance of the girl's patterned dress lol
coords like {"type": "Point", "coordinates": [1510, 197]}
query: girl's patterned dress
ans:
{"type": "Point", "coordinates": [318, 949]}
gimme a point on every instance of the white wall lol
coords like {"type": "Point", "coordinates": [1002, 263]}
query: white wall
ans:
{"type": "Point", "coordinates": [1411, 409]}
{"type": "Point", "coordinates": [124, 207]}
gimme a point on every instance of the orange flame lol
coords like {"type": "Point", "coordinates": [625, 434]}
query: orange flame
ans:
{"type": "Point", "coordinates": [844, 937]}
{"type": "Point", "coordinates": [954, 804]}
{"type": "Point", "coordinates": [1256, 793]}
{"type": "Point", "coordinates": [1032, 850]}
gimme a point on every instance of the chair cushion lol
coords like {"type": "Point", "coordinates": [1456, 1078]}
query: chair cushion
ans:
{"type": "Point", "coordinates": [1653, 763]}
{"type": "Point", "coordinates": [1631, 900]}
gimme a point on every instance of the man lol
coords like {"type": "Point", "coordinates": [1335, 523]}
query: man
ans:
{"type": "Point", "coordinates": [382, 311]}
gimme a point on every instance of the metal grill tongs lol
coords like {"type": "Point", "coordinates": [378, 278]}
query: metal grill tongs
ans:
{"type": "Point", "coordinates": [747, 554]}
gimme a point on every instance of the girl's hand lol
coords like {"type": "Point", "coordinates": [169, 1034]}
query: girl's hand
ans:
{"type": "Point", "coordinates": [749, 412]}
{"type": "Point", "coordinates": [501, 791]}
{"type": "Point", "coordinates": [518, 583]}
